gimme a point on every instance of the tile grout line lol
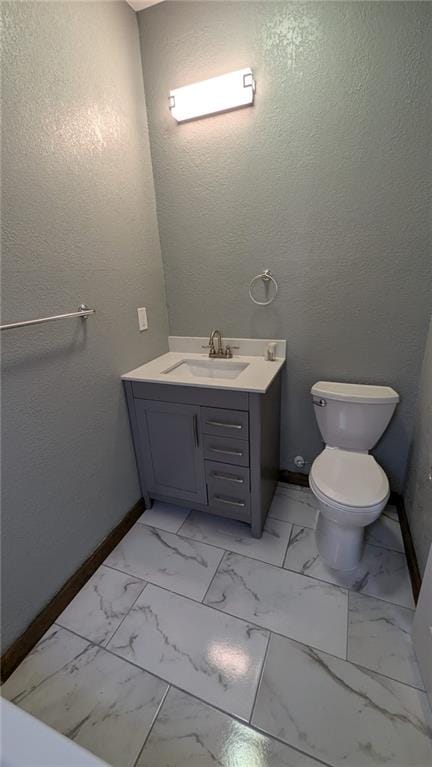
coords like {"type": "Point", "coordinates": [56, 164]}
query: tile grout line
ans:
{"type": "Point", "coordinates": [298, 641]}
{"type": "Point", "coordinates": [270, 564]}
{"type": "Point", "coordinates": [352, 591]}
{"type": "Point", "coordinates": [276, 633]}
{"type": "Point", "coordinates": [213, 577]}
{"type": "Point", "coordinates": [215, 546]}
{"type": "Point", "coordinates": [146, 583]}
{"type": "Point", "coordinates": [287, 547]}
{"type": "Point", "coordinates": [258, 626]}
{"type": "Point", "coordinates": [149, 582]}
{"type": "Point", "coordinates": [380, 546]}
{"type": "Point", "coordinates": [260, 676]}
{"type": "Point", "coordinates": [172, 686]}
{"type": "Point", "coordinates": [236, 716]}
{"type": "Point", "coordinates": [247, 620]}
{"type": "Point", "coordinates": [348, 625]}
{"type": "Point", "coordinates": [184, 521]}
{"type": "Point", "coordinates": [222, 548]}
{"type": "Point", "coordinates": [162, 701]}
{"type": "Point", "coordinates": [282, 565]}
{"type": "Point", "coordinates": [210, 607]}
{"type": "Point", "coordinates": [193, 599]}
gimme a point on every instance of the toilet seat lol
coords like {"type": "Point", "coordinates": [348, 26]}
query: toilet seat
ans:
{"type": "Point", "coordinates": [348, 481]}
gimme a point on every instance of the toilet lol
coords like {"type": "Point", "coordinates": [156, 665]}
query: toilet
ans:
{"type": "Point", "coordinates": [350, 486]}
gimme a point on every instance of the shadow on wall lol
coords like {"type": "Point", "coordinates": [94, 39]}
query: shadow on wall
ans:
{"type": "Point", "coordinates": [418, 491]}
{"type": "Point", "coordinates": [18, 359]}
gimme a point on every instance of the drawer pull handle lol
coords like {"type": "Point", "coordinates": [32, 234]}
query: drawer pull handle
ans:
{"type": "Point", "coordinates": [195, 430]}
{"type": "Point", "coordinates": [225, 425]}
{"type": "Point", "coordinates": [228, 502]}
{"type": "Point", "coordinates": [228, 477]}
{"type": "Point", "coordinates": [226, 452]}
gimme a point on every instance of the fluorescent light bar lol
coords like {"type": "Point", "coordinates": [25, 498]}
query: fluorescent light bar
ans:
{"type": "Point", "coordinates": [219, 94]}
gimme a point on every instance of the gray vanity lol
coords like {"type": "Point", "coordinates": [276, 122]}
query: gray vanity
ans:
{"type": "Point", "coordinates": [207, 443]}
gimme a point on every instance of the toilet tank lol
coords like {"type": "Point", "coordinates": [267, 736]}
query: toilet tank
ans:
{"type": "Point", "coordinates": [352, 416]}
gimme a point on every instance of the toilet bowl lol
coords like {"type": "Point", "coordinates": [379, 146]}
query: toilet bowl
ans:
{"type": "Point", "coordinates": [350, 486]}
{"type": "Point", "coordinates": [351, 490]}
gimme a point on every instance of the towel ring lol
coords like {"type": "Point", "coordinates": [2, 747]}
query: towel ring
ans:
{"type": "Point", "coordinates": [266, 276]}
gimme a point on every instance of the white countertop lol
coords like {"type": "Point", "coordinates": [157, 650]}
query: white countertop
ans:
{"type": "Point", "coordinates": [256, 377]}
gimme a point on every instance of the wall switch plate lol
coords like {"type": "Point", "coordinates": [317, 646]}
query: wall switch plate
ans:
{"type": "Point", "coordinates": [142, 318]}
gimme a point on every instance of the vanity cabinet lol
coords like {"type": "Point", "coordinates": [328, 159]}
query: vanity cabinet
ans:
{"type": "Point", "coordinates": [214, 450]}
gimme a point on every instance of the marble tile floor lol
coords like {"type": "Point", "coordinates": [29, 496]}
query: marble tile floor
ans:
{"type": "Point", "coordinates": [194, 644]}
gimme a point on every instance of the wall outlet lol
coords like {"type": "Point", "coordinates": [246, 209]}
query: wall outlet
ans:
{"type": "Point", "coordinates": [142, 318]}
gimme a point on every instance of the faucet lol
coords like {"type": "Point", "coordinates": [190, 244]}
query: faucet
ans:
{"type": "Point", "coordinates": [218, 351]}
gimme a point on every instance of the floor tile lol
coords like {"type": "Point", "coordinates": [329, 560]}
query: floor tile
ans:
{"type": "Point", "coordinates": [98, 609]}
{"type": "Point", "coordinates": [391, 512]}
{"type": "Point", "coordinates": [294, 504]}
{"type": "Point", "coordinates": [183, 566]}
{"type": "Point", "coordinates": [100, 701]}
{"type": "Point", "coordinates": [236, 536]}
{"type": "Point", "coordinates": [379, 638]}
{"type": "Point", "coordinates": [188, 733]}
{"type": "Point", "coordinates": [340, 713]}
{"type": "Point", "coordinates": [206, 653]}
{"type": "Point", "coordinates": [302, 557]}
{"type": "Point", "coordinates": [381, 573]}
{"type": "Point", "coordinates": [164, 516]}
{"type": "Point", "coordinates": [302, 608]}
{"type": "Point", "coordinates": [384, 574]}
{"type": "Point", "coordinates": [385, 532]}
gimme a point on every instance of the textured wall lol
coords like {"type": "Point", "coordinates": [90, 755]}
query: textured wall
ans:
{"type": "Point", "coordinates": [79, 224]}
{"type": "Point", "coordinates": [418, 496]}
{"type": "Point", "coordinates": [325, 181]}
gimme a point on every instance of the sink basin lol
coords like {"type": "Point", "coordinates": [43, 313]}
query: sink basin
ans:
{"type": "Point", "coordinates": [209, 368]}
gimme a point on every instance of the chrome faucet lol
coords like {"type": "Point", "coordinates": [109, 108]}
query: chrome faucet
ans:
{"type": "Point", "coordinates": [218, 351]}
{"type": "Point", "coordinates": [213, 352]}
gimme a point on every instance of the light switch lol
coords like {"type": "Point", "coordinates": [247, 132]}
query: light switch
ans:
{"type": "Point", "coordinates": [142, 318]}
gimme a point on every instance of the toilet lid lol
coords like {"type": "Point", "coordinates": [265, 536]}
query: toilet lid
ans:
{"type": "Point", "coordinates": [348, 478]}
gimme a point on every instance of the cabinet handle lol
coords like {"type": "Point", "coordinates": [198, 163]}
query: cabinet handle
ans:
{"type": "Point", "coordinates": [225, 425]}
{"type": "Point", "coordinates": [226, 452]}
{"type": "Point", "coordinates": [228, 502]}
{"type": "Point", "coordinates": [227, 477]}
{"type": "Point", "coordinates": [195, 429]}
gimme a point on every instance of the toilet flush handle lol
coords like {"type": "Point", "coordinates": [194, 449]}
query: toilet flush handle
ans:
{"type": "Point", "coordinates": [320, 402]}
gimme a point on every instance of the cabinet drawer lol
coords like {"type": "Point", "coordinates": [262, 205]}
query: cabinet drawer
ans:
{"type": "Point", "coordinates": [225, 450]}
{"type": "Point", "coordinates": [225, 423]}
{"type": "Point", "coordinates": [229, 505]}
{"type": "Point", "coordinates": [228, 489]}
{"type": "Point", "coordinates": [229, 479]}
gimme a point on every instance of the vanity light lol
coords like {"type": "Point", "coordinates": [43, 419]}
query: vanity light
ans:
{"type": "Point", "coordinates": [219, 94]}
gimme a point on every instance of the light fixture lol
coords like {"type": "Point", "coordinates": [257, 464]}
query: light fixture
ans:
{"type": "Point", "coordinates": [219, 94]}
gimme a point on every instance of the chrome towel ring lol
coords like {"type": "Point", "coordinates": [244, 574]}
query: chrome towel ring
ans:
{"type": "Point", "coordinates": [266, 276]}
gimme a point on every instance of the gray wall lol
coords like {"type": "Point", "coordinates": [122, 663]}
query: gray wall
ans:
{"type": "Point", "coordinates": [79, 224]}
{"type": "Point", "coordinates": [325, 181]}
{"type": "Point", "coordinates": [418, 496]}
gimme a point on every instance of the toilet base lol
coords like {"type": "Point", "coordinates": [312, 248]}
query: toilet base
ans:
{"type": "Point", "coordinates": [339, 547]}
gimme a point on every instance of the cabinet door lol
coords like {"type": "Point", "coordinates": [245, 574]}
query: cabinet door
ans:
{"type": "Point", "coordinates": [171, 449]}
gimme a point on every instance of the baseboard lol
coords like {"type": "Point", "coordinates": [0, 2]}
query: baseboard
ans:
{"type": "Point", "coordinates": [293, 477]}
{"type": "Point", "coordinates": [296, 478]}
{"type": "Point", "coordinates": [414, 571]}
{"type": "Point", "coordinates": [13, 656]}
